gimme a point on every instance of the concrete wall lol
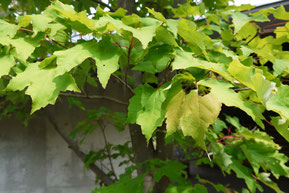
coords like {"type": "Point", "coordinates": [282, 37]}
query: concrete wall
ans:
{"type": "Point", "coordinates": [35, 159]}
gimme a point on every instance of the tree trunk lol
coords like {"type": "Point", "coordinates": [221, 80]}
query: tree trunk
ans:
{"type": "Point", "coordinates": [143, 151]}
{"type": "Point", "coordinates": [164, 152]}
{"type": "Point", "coordinates": [129, 5]}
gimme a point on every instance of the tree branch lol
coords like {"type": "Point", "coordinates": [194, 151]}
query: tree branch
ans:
{"type": "Point", "coordinates": [93, 97]}
{"type": "Point", "coordinates": [74, 147]}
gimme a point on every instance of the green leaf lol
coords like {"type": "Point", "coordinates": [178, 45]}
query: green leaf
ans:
{"type": "Point", "coordinates": [131, 20]}
{"type": "Point", "coordinates": [47, 61]}
{"type": "Point", "coordinates": [219, 126]}
{"type": "Point", "coordinates": [264, 178]}
{"type": "Point", "coordinates": [23, 47]}
{"type": "Point", "coordinates": [43, 85]}
{"type": "Point", "coordinates": [198, 188]}
{"type": "Point", "coordinates": [253, 78]}
{"type": "Point", "coordinates": [173, 111]}
{"type": "Point", "coordinates": [259, 136]}
{"type": "Point", "coordinates": [243, 73]}
{"type": "Point", "coordinates": [186, 9]}
{"type": "Point", "coordinates": [244, 173]}
{"type": "Point", "coordinates": [279, 102]}
{"type": "Point", "coordinates": [55, 30]}
{"type": "Point", "coordinates": [185, 60]}
{"type": "Point", "coordinates": [78, 21]}
{"type": "Point", "coordinates": [157, 15]}
{"type": "Point", "coordinates": [124, 185]}
{"type": "Point", "coordinates": [248, 31]}
{"type": "Point", "coordinates": [172, 169]}
{"type": "Point", "coordinates": [40, 22]}
{"type": "Point", "coordinates": [187, 30]}
{"type": "Point", "coordinates": [281, 13]}
{"type": "Point", "coordinates": [266, 156]}
{"type": "Point", "coordinates": [163, 35]}
{"type": "Point", "coordinates": [7, 29]}
{"type": "Point", "coordinates": [144, 33]}
{"type": "Point", "coordinates": [6, 63]}
{"type": "Point", "coordinates": [222, 92]}
{"type": "Point", "coordinates": [240, 19]}
{"type": "Point", "coordinates": [282, 126]}
{"type": "Point", "coordinates": [156, 60]}
{"type": "Point", "coordinates": [173, 26]}
{"type": "Point", "coordinates": [105, 54]}
{"type": "Point", "coordinates": [280, 65]}
{"type": "Point", "coordinates": [146, 105]}
{"type": "Point", "coordinates": [193, 113]}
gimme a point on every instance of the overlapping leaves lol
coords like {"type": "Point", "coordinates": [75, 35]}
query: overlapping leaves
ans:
{"type": "Point", "coordinates": [211, 72]}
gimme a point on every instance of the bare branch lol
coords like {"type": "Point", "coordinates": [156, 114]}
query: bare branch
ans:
{"type": "Point", "coordinates": [93, 97]}
{"type": "Point", "coordinates": [74, 146]}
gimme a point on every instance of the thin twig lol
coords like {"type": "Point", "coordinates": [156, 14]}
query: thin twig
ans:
{"type": "Point", "coordinates": [275, 24]}
{"type": "Point", "coordinates": [119, 45]}
{"type": "Point", "coordinates": [24, 29]}
{"type": "Point", "coordinates": [93, 97]}
{"type": "Point", "coordinates": [268, 122]}
{"type": "Point", "coordinates": [135, 43]}
{"type": "Point", "coordinates": [107, 150]}
{"type": "Point", "coordinates": [59, 44]}
{"type": "Point", "coordinates": [270, 31]}
{"type": "Point", "coordinates": [270, 23]}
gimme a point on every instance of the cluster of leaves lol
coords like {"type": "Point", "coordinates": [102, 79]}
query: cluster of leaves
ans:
{"type": "Point", "coordinates": [173, 170]}
{"type": "Point", "coordinates": [240, 147]}
{"type": "Point", "coordinates": [190, 67]}
{"type": "Point", "coordinates": [165, 6]}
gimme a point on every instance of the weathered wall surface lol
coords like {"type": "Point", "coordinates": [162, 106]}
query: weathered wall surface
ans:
{"type": "Point", "coordinates": [35, 159]}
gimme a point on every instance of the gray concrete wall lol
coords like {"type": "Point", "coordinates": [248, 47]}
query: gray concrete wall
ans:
{"type": "Point", "coordinates": [35, 159]}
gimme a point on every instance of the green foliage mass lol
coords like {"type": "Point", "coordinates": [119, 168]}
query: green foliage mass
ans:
{"type": "Point", "coordinates": [186, 69]}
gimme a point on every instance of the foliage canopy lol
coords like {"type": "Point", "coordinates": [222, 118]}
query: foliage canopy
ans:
{"type": "Point", "coordinates": [180, 68]}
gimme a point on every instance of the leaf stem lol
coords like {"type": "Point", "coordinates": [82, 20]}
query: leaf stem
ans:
{"type": "Point", "coordinates": [24, 29]}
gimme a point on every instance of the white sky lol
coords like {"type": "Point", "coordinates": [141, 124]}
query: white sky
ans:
{"type": "Point", "coordinates": [254, 2]}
